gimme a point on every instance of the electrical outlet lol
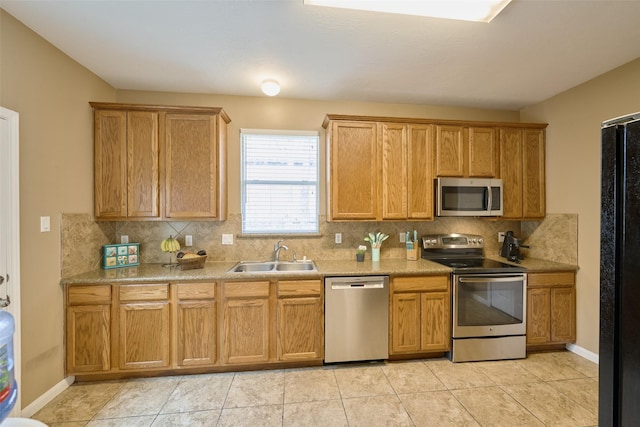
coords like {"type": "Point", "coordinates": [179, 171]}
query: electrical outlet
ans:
{"type": "Point", "coordinates": [45, 224]}
{"type": "Point", "coordinates": [403, 237]}
{"type": "Point", "coordinates": [124, 239]}
{"type": "Point", "coordinates": [500, 236]}
{"type": "Point", "coordinates": [338, 238]}
{"type": "Point", "coordinates": [227, 239]}
{"type": "Point", "coordinates": [188, 240]}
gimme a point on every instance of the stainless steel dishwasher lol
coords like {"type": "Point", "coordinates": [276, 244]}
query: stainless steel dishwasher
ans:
{"type": "Point", "coordinates": [356, 318]}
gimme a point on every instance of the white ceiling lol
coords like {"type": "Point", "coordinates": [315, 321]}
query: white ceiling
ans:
{"type": "Point", "coordinates": [533, 50]}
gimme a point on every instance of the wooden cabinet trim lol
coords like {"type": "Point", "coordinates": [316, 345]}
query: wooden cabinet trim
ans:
{"type": "Point", "coordinates": [257, 289]}
{"type": "Point", "coordinates": [565, 278]}
{"type": "Point", "coordinates": [143, 292]}
{"type": "Point", "coordinates": [427, 121]}
{"type": "Point", "coordinates": [295, 288]}
{"type": "Point", "coordinates": [420, 284]}
{"type": "Point", "coordinates": [89, 294]}
{"type": "Point", "coordinates": [196, 290]}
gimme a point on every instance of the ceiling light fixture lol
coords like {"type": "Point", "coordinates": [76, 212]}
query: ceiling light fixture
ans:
{"type": "Point", "coordinates": [464, 10]}
{"type": "Point", "coordinates": [270, 87]}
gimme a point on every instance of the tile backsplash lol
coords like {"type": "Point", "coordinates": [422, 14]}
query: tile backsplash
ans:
{"type": "Point", "coordinates": [82, 238]}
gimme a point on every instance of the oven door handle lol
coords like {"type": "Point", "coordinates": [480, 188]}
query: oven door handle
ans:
{"type": "Point", "coordinates": [489, 279]}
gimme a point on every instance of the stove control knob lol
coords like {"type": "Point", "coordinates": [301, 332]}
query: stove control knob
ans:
{"type": "Point", "coordinates": [474, 241]}
{"type": "Point", "coordinates": [480, 241]}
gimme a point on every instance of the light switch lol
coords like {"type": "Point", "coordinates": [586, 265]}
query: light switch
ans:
{"type": "Point", "coordinates": [188, 240]}
{"type": "Point", "coordinates": [45, 224]}
{"type": "Point", "coordinates": [227, 239]}
{"type": "Point", "coordinates": [124, 239]}
{"type": "Point", "coordinates": [338, 238]}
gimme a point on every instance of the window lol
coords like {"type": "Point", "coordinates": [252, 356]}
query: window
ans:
{"type": "Point", "coordinates": [279, 181]}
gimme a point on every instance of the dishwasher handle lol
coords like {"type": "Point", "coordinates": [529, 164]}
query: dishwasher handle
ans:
{"type": "Point", "coordinates": [358, 286]}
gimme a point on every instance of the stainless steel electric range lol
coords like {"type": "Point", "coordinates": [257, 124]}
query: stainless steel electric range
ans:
{"type": "Point", "coordinates": [488, 299]}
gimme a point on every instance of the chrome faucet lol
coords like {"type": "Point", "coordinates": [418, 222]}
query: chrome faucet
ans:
{"type": "Point", "coordinates": [276, 249]}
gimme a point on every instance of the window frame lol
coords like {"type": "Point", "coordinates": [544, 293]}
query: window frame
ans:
{"type": "Point", "coordinates": [243, 182]}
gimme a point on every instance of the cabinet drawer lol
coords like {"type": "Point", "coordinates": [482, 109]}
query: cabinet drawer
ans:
{"type": "Point", "coordinates": [563, 278]}
{"type": "Point", "coordinates": [90, 294]}
{"type": "Point", "coordinates": [246, 289]}
{"type": "Point", "coordinates": [153, 292]}
{"type": "Point", "coordinates": [196, 290]}
{"type": "Point", "coordinates": [293, 288]}
{"type": "Point", "coordinates": [421, 284]}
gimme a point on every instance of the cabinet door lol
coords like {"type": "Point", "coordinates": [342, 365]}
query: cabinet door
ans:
{"type": "Point", "coordinates": [354, 171]}
{"type": "Point", "coordinates": [538, 316]}
{"type": "Point", "coordinates": [533, 193]}
{"type": "Point", "coordinates": [435, 321]}
{"type": "Point", "coordinates": [420, 172]}
{"type": "Point", "coordinates": [394, 170]}
{"type": "Point", "coordinates": [482, 152]}
{"type": "Point", "coordinates": [246, 331]}
{"type": "Point", "coordinates": [511, 172]}
{"type": "Point", "coordinates": [563, 314]}
{"type": "Point", "coordinates": [191, 184]}
{"type": "Point", "coordinates": [88, 338]}
{"type": "Point", "coordinates": [405, 323]}
{"type": "Point", "coordinates": [300, 326]}
{"type": "Point", "coordinates": [143, 176]}
{"type": "Point", "coordinates": [449, 151]}
{"type": "Point", "coordinates": [144, 335]}
{"type": "Point", "coordinates": [246, 322]}
{"type": "Point", "coordinates": [197, 326]}
{"type": "Point", "coordinates": [110, 164]}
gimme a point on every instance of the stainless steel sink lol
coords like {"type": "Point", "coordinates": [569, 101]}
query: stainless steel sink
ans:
{"type": "Point", "coordinates": [296, 266]}
{"type": "Point", "coordinates": [273, 267]}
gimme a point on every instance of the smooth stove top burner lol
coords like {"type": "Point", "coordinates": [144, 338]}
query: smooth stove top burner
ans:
{"type": "Point", "coordinates": [477, 265]}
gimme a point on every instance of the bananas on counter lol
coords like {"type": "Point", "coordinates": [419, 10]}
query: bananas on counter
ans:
{"type": "Point", "coordinates": [170, 245]}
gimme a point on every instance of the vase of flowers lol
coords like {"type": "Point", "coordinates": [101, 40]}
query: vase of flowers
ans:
{"type": "Point", "coordinates": [360, 253]}
{"type": "Point", "coordinates": [376, 241]}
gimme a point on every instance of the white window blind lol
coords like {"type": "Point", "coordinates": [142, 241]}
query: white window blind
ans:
{"type": "Point", "coordinates": [279, 182]}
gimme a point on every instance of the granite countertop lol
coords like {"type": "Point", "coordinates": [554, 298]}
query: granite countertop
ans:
{"type": "Point", "coordinates": [219, 271]}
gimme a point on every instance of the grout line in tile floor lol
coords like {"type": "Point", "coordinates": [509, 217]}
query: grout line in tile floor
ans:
{"type": "Point", "coordinates": [557, 388]}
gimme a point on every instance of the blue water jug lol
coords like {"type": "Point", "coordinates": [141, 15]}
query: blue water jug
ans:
{"type": "Point", "coordinates": [8, 386]}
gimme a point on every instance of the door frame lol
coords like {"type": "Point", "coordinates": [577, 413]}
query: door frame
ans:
{"type": "Point", "coordinates": [10, 208]}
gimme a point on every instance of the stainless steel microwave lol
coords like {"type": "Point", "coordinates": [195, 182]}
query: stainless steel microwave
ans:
{"type": "Point", "coordinates": [469, 197]}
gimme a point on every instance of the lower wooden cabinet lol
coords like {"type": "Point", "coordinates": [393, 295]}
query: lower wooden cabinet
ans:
{"type": "Point", "coordinates": [551, 309]}
{"type": "Point", "coordinates": [246, 317]}
{"type": "Point", "coordinates": [88, 328]}
{"type": "Point", "coordinates": [144, 326]}
{"type": "Point", "coordinates": [197, 324]}
{"type": "Point", "coordinates": [420, 315]}
{"type": "Point", "coordinates": [300, 320]}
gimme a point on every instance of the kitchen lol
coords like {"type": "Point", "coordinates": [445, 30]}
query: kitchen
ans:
{"type": "Point", "coordinates": [68, 190]}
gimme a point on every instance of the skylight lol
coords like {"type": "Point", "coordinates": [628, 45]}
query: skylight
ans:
{"type": "Point", "coordinates": [464, 10]}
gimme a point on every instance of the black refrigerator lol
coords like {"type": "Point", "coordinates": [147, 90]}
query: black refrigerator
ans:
{"type": "Point", "coordinates": [619, 384]}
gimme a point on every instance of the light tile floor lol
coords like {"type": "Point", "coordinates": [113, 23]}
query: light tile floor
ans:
{"type": "Point", "coordinates": [545, 389]}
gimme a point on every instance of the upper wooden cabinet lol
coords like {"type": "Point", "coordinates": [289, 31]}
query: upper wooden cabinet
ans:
{"type": "Point", "coordinates": [463, 151]}
{"type": "Point", "coordinates": [126, 164]}
{"type": "Point", "coordinates": [379, 171]}
{"type": "Point", "coordinates": [159, 162]}
{"type": "Point", "coordinates": [352, 171]}
{"type": "Point", "coordinates": [522, 170]}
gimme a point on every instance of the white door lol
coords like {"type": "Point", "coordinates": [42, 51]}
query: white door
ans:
{"type": "Point", "coordinates": [10, 232]}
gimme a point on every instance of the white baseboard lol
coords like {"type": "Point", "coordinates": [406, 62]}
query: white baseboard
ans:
{"type": "Point", "coordinates": [581, 351]}
{"type": "Point", "coordinates": [47, 397]}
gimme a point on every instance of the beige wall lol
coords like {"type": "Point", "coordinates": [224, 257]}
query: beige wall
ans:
{"type": "Point", "coordinates": [51, 93]}
{"type": "Point", "coordinates": [573, 172]}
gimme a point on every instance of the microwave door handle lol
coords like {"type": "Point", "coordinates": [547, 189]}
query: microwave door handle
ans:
{"type": "Point", "coordinates": [489, 201]}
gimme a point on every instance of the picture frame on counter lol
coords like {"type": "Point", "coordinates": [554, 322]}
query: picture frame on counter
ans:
{"type": "Point", "coordinates": [122, 255]}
